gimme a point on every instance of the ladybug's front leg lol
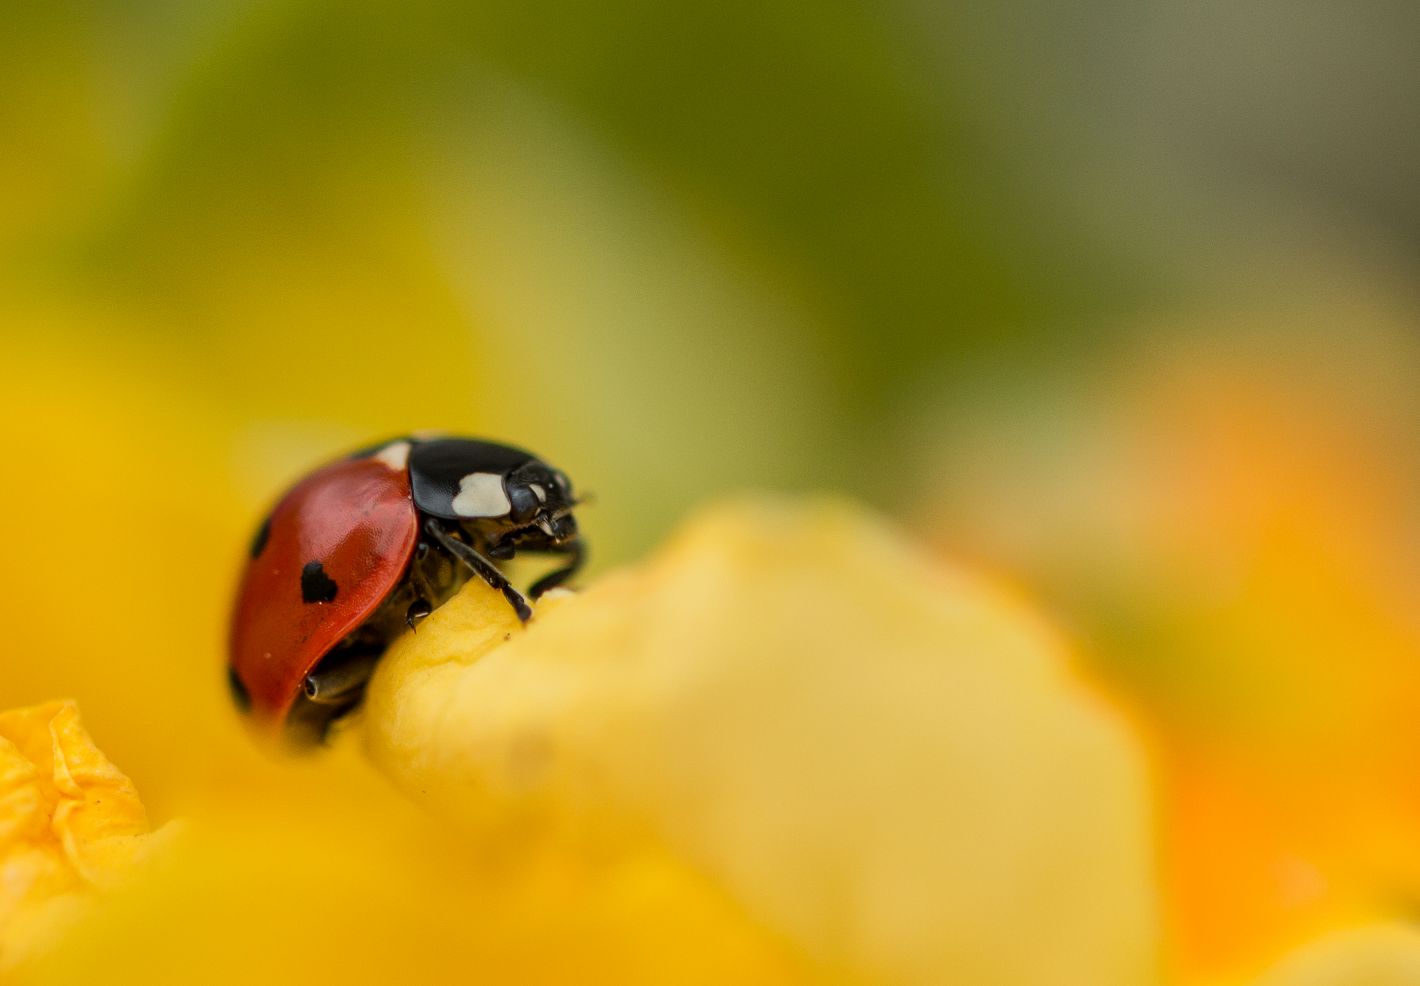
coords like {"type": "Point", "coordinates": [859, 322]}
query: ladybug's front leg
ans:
{"type": "Point", "coordinates": [481, 566]}
{"type": "Point", "coordinates": [553, 579]}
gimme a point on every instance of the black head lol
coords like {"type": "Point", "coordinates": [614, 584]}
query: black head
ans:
{"type": "Point", "coordinates": [540, 499]}
{"type": "Point", "coordinates": [509, 494]}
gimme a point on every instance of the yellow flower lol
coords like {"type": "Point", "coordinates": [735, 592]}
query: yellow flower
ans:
{"type": "Point", "coordinates": [788, 748]}
{"type": "Point", "coordinates": [883, 764]}
{"type": "Point", "coordinates": [70, 821]}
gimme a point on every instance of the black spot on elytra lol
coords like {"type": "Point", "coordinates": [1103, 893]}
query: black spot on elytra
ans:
{"type": "Point", "coordinates": [239, 690]}
{"type": "Point", "coordinates": [263, 534]}
{"type": "Point", "coordinates": [316, 586]}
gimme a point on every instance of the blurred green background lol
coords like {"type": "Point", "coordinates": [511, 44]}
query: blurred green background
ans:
{"type": "Point", "coordinates": [684, 247]}
{"type": "Point", "coordinates": [693, 246]}
{"type": "Point", "coordinates": [1117, 300]}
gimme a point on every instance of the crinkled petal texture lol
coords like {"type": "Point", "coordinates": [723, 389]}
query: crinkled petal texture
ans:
{"type": "Point", "coordinates": [69, 821]}
{"type": "Point", "coordinates": [884, 765]}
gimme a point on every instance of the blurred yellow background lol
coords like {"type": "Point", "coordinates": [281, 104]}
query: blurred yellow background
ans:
{"type": "Point", "coordinates": [1116, 302]}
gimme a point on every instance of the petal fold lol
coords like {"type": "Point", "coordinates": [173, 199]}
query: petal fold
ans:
{"type": "Point", "coordinates": [886, 763]}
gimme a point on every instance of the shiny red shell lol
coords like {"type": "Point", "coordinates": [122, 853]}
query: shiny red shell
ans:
{"type": "Point", "coordinates": [357, 519]}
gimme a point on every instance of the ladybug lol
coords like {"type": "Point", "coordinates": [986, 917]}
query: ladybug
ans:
{"type": "Point", "coordinates": [367, 546]}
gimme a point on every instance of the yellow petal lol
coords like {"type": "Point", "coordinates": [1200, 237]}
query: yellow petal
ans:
{"type": "Point", "coordinates": [69, 820]}
{"type": "Point", "coordinates": [883, 763]}
{"type": "Point", "coordinates": [308, 893]}
{"type": "Point", "coordinates": [1383, 955]}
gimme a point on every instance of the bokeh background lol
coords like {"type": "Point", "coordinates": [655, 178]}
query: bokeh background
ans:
{"type": "Point", "coordinates": [1116, 301]}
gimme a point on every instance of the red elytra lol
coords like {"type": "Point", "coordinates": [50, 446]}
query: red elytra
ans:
{"type": "Point", "coordinates": [357, 516]}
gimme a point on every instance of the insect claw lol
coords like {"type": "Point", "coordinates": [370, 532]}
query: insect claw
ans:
{"type": "Point", "coordinates": [418, 609]}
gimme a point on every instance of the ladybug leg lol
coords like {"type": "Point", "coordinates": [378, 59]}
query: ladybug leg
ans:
{"type": "Point", "coordinates": [481, 567]}
{"type": "Point", "coordinates": [420, 607]}
{"type": "Point", "coordinates": [553, 579]}
{"type": "Point", "coordinates": [340, 683]}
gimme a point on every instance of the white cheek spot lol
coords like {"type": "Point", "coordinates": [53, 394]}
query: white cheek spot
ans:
{"type": "Point", "coordinates": [481, 495]}
{"type": "Point", "coordinates": [538, 492]}
{"type": "Point", "coordinates": [395, 455]}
